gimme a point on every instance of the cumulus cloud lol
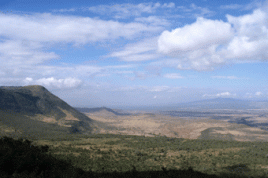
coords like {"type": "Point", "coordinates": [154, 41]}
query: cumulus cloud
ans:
{"type": "Point", "coordinates": [205, 44]}
{"type": "Point", "coordinates": [55, 83]}
{"type": "Point", "coordinates": [251, 39]}
{"type": "Point", "coordinates": [202, 34]}
{"type": "Point", "coordinates": [173, 76]}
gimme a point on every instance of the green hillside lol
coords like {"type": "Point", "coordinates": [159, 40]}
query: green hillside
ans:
{"type": "Point", "coordinates": [33, 110]}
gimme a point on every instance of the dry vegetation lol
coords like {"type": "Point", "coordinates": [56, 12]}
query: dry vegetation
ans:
{"type": "Point", "coordinates": [180, 127]}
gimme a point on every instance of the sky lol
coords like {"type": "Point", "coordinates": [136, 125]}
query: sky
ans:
{"type": "Point", "coordinates": [136, 53]}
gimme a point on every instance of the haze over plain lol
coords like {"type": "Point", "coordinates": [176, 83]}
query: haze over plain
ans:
{"type": "Point", "coordinates": [121, 53]}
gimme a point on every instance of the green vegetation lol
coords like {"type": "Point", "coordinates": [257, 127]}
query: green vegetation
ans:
{"type": "Point", "coordinates": [29, 128]}
{"type": "Point", "coordinates": [110, 154]}
{"type": "Point", "coordinates": [19, 158]}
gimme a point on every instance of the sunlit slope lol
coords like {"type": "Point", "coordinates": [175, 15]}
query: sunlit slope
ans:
{"type": "Point", "coordinates": [18, 125]}
{"type": "Point", "coordinates": [37, 103]}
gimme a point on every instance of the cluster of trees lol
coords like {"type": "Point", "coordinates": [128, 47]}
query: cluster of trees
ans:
{"type": "Point", "coordinates": [19, 158]}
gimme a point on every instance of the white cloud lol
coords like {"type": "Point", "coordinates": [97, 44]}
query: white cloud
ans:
{"type": "Point", "coordinates": [258, 93]}
{"type": "Point", "coordinates": [225, 77]}
{"type": "Point", "coordinates": [251, 5]}
{"type": "Point", "coordinates": [28, 80]}
{"type": "Point", "coordinates": [251, 39]}
{"type": "Point", "coordinates": [66, 10]}
{"type": "Point", "coordinates": [255, 95]}
{"type": "Point", "coordinates": [194, 11]}
{"type": "Point", "coordinates": [140, 51]}
{"type": "Point", "coordinates": [140, 74]}
{"type": "Point", "coordinates": [153, 20]}
{"type": "Point", "coordinates": [231, 6]}
{"type": "Point", "coordinates": [127, 10]}
{"type": "Point", "coordinates": [206, 44]}
{"type": "Point", "coordinates": [22, 53]}
{"type": "Point", "coordinates": [55, 83]}
{"type": "Point", "coordinates": [158, 88]}
{"type": "Point", "coordinates": [169, 5]}
{"type": "Point", "coordinates": [173, 76]}
{"type": "Point", "coordinates": [202, 34]}
{"type": "Point", "coordinates": [149, 89]}
{"type": "Point", "coordinates": [26, 49]}
{"type": "Point", "coordinates": [223, 94]}
{"type": "Point", "coordinates": [201, 11]}
{"type": "Point", "coordinates": [67, 29]}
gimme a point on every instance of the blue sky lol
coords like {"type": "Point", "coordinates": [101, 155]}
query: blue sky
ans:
{"type": "Point", "coordinates": [129, 53]}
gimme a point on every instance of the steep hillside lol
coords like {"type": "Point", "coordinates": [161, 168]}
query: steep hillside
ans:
{"type": "Point", "coordinates": [37, 103]}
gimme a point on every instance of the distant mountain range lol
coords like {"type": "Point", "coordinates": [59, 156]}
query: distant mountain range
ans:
{"type": "Point", "coordinates": [218, 103]}
{"type": "Point", "coordinates": [36, 105]}
{"type": "Point", "coordinates": [207, 104]}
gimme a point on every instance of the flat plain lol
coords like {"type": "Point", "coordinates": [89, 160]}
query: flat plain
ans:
{"type": "Point", "coordinates": [243, 125]}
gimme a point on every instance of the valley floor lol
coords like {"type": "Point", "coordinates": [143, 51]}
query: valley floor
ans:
{"type": "Point", "coordinates": [221, 126]}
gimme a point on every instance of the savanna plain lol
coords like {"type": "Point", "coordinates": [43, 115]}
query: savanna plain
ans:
{"type": "Point", "coordinates": [223, 143]}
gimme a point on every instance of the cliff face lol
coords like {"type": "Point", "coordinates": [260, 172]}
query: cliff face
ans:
{"type": "Point", "coordinates": [38, 103]}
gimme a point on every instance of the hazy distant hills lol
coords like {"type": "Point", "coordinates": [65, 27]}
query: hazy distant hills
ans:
{"type": "Point", "coordinates": [36, 105]}
{"type": "Point", "coordinates": [223, 103]}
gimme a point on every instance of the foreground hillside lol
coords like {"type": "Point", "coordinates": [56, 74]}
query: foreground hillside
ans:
{"type": "Point", "coordinates": [109, 155]}
{"type": "Point", "coordinates": [33, 110]}
{"type": "Point", "coordinates": [80, 156]}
